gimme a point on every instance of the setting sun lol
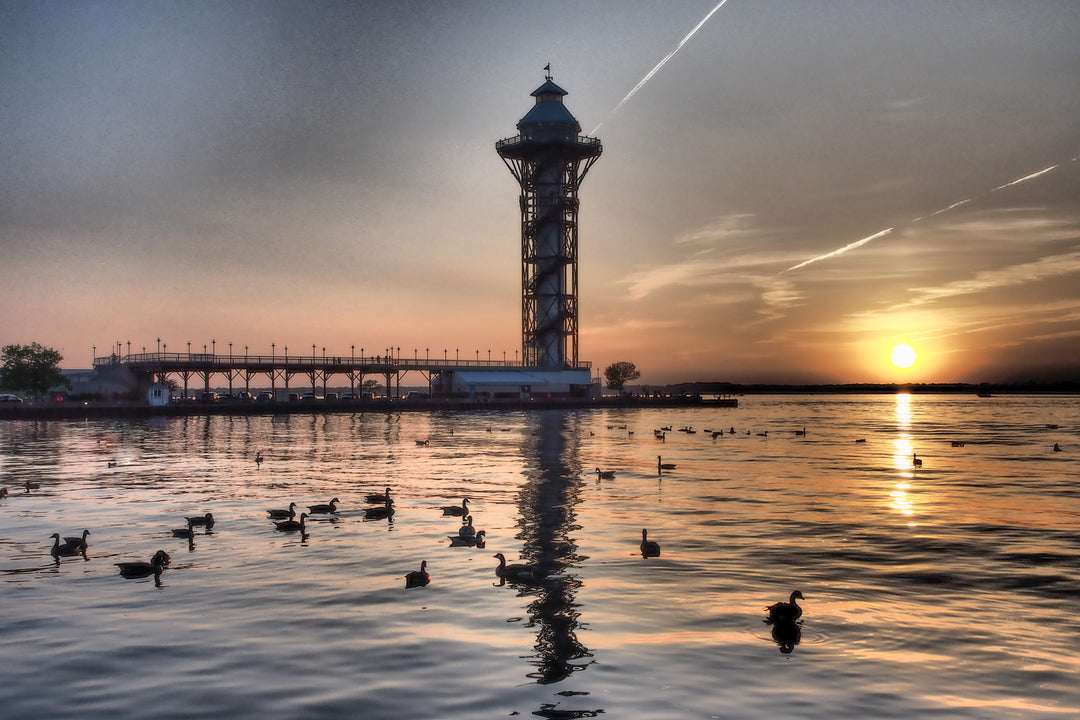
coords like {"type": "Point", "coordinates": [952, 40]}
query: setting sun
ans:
{"type": "Point", "coordinates": [903, 356]}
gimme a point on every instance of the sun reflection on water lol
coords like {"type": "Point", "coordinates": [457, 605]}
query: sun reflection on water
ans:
{"type": "Point", "coordinates": [899, 499]}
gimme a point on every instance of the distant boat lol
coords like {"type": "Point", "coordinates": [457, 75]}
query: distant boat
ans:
{"type": "Point", "coordinates": [984, 393]}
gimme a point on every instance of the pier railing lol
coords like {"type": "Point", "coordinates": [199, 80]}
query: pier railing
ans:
{"type": "Point", "coordinates": [162, 361]}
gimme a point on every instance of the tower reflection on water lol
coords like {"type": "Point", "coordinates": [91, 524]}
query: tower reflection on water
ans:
{"type": "Point", "coordinates": [547, 504]}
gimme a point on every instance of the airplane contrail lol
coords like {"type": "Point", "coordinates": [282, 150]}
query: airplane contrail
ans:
{"type": "Point", "coordinates": [841, 251]}
{"type": "Point", "coordinates": [875, 236]}
{"type": "Point", "coordinates": [656, 69]}
{"type": "Point", "coordinates": [1032, 176]}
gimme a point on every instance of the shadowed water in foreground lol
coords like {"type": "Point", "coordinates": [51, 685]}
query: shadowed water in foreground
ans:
{"type": "Point", "coordinates": [943, 590]}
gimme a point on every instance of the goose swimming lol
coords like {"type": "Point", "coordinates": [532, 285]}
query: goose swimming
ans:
{"type": "Point", "coordinates": [649, 548]}
{"type": "Point", "coordinates": [477, 540]}
{"type": "Point", "coordinates": [280, 514]}
{"type": "Point", "coordinates": [66, 548]}
{"type": "Point", "coordinates": [457, 510]}
{"type": "Point", "coordinates": [380, 513]}
{"type": "Point", "coordinates": [467, 530]}
{"type": "Point", "coordinates": [185, 532]}
{"type": "Point", "coordinates": [31, 486]}
{"type": "Point", "coordinates": [605, 474]}
{"type": "Point", "coordinates": [785, 612]}
{"type": "Point", "coordinates": [663, 465]}
{"type": "Point", "coordinates": [293, 525]}
{"type": "Point", "coordinates": [206, 520]}
{"type": "Point", "coordinates": [78, 541]}
{"type": "Point", "coordinates": [916, 460]}
{"type": "Point", "coordinates": [330, 507]}
{"type": "Point", "coordinates": [418, 578]}
{"type": "Point", "coordinates": [377, 497]}
{"type": "Point", "coordinates": [516, 571]}
{"type": "Point", "coordinates": [142, 569]}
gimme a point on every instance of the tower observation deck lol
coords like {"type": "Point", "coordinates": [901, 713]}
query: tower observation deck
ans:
{"type": "Point", "coordinates": [549, 158]}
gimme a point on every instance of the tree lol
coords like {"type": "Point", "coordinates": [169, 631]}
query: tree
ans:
{"type": "Point", "coordinates": [372, 386]}
{"type": "Point", "coordinates": [619, 373]}
{"type": "Point", "coordinates": [32, 369]}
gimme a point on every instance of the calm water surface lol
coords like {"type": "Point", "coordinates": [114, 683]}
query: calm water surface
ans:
{"type": "Point", "coordinates": [950, 590]}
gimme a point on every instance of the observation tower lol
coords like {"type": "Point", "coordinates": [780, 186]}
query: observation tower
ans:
{"type": "Point", "coordinates": [549, 158]}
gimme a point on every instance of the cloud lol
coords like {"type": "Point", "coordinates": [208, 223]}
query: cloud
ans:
{"type": "Point", "coordinates": [1028, 272]}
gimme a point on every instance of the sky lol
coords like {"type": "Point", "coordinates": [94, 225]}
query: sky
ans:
{"type": "Point", "coordinates": [787, 190]}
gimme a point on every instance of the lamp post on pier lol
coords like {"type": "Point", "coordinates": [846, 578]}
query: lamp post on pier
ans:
{"type": "Point", "coordinates": [159, 345]}
{"type": "Point", "coordinates": [213, 345]}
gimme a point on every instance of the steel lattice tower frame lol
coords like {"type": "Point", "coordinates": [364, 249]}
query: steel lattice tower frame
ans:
{"type": "Point", "coordinates": [549, 159]}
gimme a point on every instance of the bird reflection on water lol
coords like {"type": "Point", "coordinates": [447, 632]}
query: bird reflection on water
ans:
{"type": "Point", "coordinates": [546, 504]}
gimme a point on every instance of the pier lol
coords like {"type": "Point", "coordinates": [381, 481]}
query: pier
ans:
{"type": "Point", "coordinates": [282, 370]}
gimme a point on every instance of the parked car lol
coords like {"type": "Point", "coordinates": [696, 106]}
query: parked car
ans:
{"type": "Point", "coordinates": [266, 396]}
{"type": "Point", "coordinates": [9, 398]}
{"type": "Point", "coordinates": [210, 397]}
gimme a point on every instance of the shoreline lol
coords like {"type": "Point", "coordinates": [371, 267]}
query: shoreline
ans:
{"type": "Point", "coordinates": [74, 410]}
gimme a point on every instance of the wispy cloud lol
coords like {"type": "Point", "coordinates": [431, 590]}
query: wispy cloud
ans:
{"type": "Point", "coordinates": [1034, 271]}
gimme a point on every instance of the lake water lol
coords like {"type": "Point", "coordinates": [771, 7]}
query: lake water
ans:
{"type": "Point", "coordinates": [951, 590]}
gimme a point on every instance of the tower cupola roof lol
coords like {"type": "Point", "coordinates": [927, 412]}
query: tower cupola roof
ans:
{"type": "Point", "coordinates": [549, 109]}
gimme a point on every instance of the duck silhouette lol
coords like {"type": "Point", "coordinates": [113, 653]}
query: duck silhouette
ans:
{"type": "Point", "coordinates": [916, 460]}
{"type": "Point", "coordinates": [785, 612]}
{"type": "Point", "coordinates": [206, 520]}
{"type": "Point", "coordinates": [377, 497]}
{"type": "Point", "coordinates": [380, 513]}
{"type": "Point", "coordinates": [73, 546]}
{"type": "Point", "coordinates": [661, 466]}
{"type": "Point", "coordinates": [142, 569]}
{"type": "Point", "coordinates": [280, 514]}
{"type": "Point", "coordinates": [457, 510]}
{"type": "Point", "coordinates": [516, 571]}
{"type": "Point", "coordinates": [649, 548]}
{"type": "Point", "coordinates": [418, 578]}
{"type": "Point", "coordinates": [324, 509]}
{"type": "Point", "coordinates": [79, 541]}
{"type": "Point", "coordinates": [605, 474]}
{"type": "Point", "coordinates": [293, 525]}
{"type": "Point", "coordinates": [477, 540]}
{"type": "Point", "coordinates": [185, 532]}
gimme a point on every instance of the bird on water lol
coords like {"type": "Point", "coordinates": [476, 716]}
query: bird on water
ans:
{"type": "Point", "coordinates": [377, 497]}
{"type": "Point", "coordinates": [380, 513]}
{"type": "Point", "coordinates": [516, 571]}
{"type": "Point", "coordinates": [418, 578]}
{"type": "Point", "coordinates": [280, 514]}
{"type": "Point", "coordinates": [293, 525]}
{"type": "Point", "coordinates": [324, 509]}
{"type": "Point", "coordinates": [206, 520]}
{"type": "Point", "coordinates": [605, 474]}
{"type": "Point", "coordinates": [785, 612]}
{"type": "Point", "coordinates": [916, 460]}
{"type": "Point", "coordinates": [78, 541]}
{"type": "Point", "coordinates": [142, 569]}
{"type": "Point", "coordinates": [649, 548]}
{"type": "Point", "coordinates": [477, 540]}
{"type": "Point", "coordinates": [71, 546]}
{"type": "Point", "coordinates": [457, 510]}
{"type": "Point", "coordinates": [661, 466]}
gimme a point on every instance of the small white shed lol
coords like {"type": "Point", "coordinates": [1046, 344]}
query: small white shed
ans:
{"type": "Point", "coordinates": [158, 395]}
